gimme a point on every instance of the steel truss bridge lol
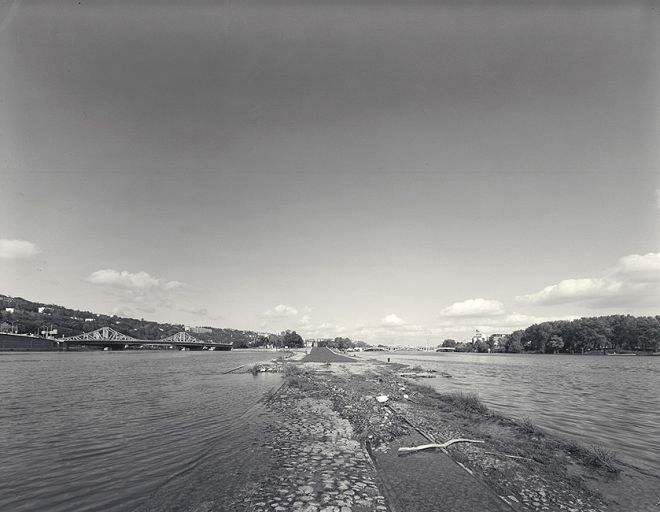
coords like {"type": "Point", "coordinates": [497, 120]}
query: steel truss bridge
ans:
{"type": "Point", "coordinates": [115, 340]}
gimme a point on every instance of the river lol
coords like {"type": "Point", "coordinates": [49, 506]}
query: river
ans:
{"type": "Point", "coordinates": [166, 430]}
{"type": "Point", "coordinates": [120, 431]}
{"type": "Point", "coordinates": [611, 401]}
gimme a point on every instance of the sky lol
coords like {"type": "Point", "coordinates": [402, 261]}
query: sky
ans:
{"type": "Point", "coordinates": [394, 172]}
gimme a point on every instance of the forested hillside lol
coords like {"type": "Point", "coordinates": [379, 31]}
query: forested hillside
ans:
{"type": "Point", "coordinates": [27, 318]}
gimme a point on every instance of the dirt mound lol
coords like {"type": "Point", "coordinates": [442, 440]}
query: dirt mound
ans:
{"type": "Point", "coordinates": [325, 355]}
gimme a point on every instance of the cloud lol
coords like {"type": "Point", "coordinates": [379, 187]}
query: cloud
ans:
{"type": "Point", "coordinates": [323, 330]}
{"type": "Point", "coordinates": [138, 289]}
{"type": "Point", "coordinates": [392, 320]}
{"type": "Point", "coordinates": [474, 308]}
{"type": "Point", "coordinates": [125, 312]}
{"type": "Point", "coordinates": [639, 267]}
{"type": "Point", "coordinates": [130, 280]}
{"type": "Point", "coordinates": [17, 249]}
{"type": "Point", "coordinates": [280, 311]}
{"type": "Point", "coordinates": [573, 290]}
{"type": "Point", "coordinates": [634, 280]}
{"type": "Point", "coordinates": [305, 320]}
{"type": "Point", "coordinates": [195, 311]}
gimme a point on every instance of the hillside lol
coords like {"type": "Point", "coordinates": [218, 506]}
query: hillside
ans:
{"type": "Point", "coordinates": [34, 317]}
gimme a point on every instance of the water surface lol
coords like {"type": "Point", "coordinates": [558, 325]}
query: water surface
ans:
{"type": "Point", "coordinates": [119, 431]}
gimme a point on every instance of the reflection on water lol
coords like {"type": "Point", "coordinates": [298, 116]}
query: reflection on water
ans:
{"type": "Point", "coordinates": [109, 431]}
{"type": "Point", "coordinates": [613, 401]}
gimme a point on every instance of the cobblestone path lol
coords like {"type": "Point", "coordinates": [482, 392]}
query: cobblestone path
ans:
{"type": "Point", "coordinates": [317, 466]}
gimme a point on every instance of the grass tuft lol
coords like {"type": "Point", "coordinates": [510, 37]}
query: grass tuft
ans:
{"type": "Point", "coordinates": [291, 370]}
{"type": "Point", "coordinates": [600, 457]}
{"type": "Point", "coordinates": [596, 456]}
{"type": "Point", "coordinates": [468, 402]}
{"type": "Point", "coordinates": [526, 425]}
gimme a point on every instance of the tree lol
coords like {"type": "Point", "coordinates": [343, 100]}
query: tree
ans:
{"type": "Point", "coordinates": [537, 336]}
{"type": "Point", "coordinates": [481, 346]}
{"type": "Point", "coordinates": [449, 343]}
{"type": "Point", "coordinates": [513, 342]}
{"type": "Point", "coordinates": [292, 339]}
{"type": "Point", "coordinates": [556, 343]}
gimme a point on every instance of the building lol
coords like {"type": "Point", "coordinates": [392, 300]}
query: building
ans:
{"type": "Point", "coordinates": [478, 336]}
{"type": "Point", "coordinates": [201, 330]}
{"type": "Point", "coordinates": [497, 340]}
{"type": "Point", "coordinates": [10, 310]}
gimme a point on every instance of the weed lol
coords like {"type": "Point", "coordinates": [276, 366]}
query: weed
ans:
{"type": "Point", "coordinates": [467, 402]}
{"type": "Point", "coordinates": [291, 370]}
{"type": "Point", "coordinates": [526, 425]}
{"type": "Point", "coordinates": [600, 457]}
{"type": "Point", "coordinates": [596, 456]}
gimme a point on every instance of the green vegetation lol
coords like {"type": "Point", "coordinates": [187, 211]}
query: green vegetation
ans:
{"type": "Point", "coordinates": [526, 425]}
{"type": "Point", "coordinates": [340, 343]}
{"type": "Point", "coordinates": [27, 318]}
{"type": "Point", "coordinates": [469, 402]}
{"type": "Point", "coordinates": [615, 332]}
{"type": "Point", "coordinates": [596, 456]}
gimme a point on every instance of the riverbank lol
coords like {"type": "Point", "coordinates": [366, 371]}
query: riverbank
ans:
{"type": "Point", "coordinates": [335, 445]}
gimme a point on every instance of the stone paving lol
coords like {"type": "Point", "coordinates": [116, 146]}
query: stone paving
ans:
{"type": "Point", "coordinates": [318, 466]}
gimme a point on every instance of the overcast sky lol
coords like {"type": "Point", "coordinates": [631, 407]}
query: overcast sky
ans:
{"type": "Point", "coordinates": [385, 170]}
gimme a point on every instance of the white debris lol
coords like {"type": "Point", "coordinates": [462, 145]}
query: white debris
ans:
{"type": "Point", "coordinates": [382, 398]}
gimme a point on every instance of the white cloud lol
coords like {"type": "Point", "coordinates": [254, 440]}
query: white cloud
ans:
{"type": "Point", "coordinates": [639, 267]}
{"type": "Point", "coordinates": [634, 280]}
{"type": "Point", "coordinates": [280, 311]}
{"type": "Point", "coordinates": [573, 290]}
{"type": "Point", "coordinates": [323, 330]}
{"type": "Point", "coordinates": [138, 289]}
{"type": "Point", "coordinates": [130, 280]}
{"type": "Point", "coordinates": [195, 311]}
{"type": "Point", "coordinates": [392, 320]}
{"type": "Point", "coordinates": [305, 320]}
{"type": "Point", "coordinates": [17, 249]}
{"type": "Point", "coordinates": [474, 308]}
{"type": "Point", "coordinates": [126, 312]}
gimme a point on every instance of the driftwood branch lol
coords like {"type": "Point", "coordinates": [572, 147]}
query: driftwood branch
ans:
{"type": "Point", "coordinates": [435, 445]}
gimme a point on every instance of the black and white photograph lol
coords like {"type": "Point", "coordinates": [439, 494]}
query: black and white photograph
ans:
{"type": "Point", "coordinates": [330, 256]}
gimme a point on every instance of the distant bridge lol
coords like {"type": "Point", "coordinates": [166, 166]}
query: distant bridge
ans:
{"type": "Point", "coordinates": [115, 340]}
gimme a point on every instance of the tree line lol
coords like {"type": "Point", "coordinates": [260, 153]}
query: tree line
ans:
{"type": "Point", "coordinates": [616, 333]}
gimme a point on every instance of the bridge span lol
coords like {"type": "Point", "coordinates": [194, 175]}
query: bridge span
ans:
{"type": "Point", "coordinates": [115, 340]}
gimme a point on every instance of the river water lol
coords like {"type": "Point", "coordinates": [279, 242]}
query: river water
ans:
{"type": "Point", "coordinates": [120, 431]}
{"type": "Point", "coordinates": [611, 401]}
{"type": "Point", "coordinates": [165, 430]}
